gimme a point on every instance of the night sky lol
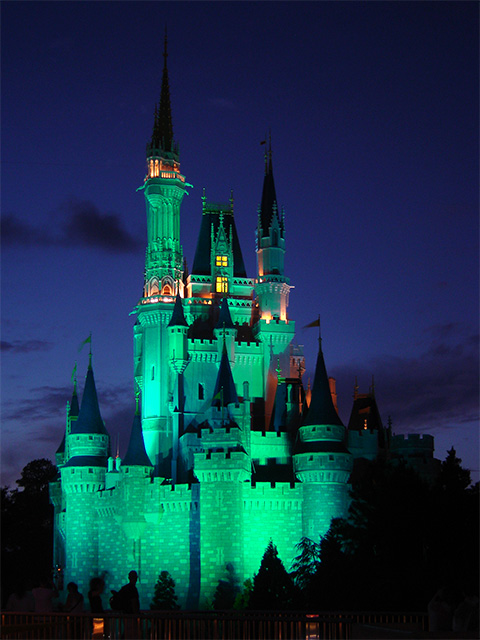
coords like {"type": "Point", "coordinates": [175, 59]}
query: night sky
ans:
{"type": "Point", "coordinates": [373, 113]}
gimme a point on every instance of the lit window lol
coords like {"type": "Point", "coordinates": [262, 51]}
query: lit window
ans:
{"type": "Point", "coordinates": [221, 261]}
{"type": "Point", "coordinates": [221, 284]}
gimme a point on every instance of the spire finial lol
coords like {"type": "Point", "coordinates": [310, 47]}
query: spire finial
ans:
{"type": "Point", "coordinates": [165, 53]}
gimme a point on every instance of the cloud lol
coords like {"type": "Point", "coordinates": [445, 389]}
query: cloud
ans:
{"type": "Point", "coordinates": [82, 225]}
{"type": "Point", "coordinates": [437, 389]}
{"type": "Point", "coordinates": [88, 226]}
{"type": "Point", "coordinates": [24, 346]}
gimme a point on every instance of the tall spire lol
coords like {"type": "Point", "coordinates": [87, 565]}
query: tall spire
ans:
{"type": "Point", "coordinates": [268, 207]}
{"type": "Point", "coordinates": [162, 136]}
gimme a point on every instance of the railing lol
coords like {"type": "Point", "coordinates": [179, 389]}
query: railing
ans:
{"type": "Point", "coordinates": [214, 625]}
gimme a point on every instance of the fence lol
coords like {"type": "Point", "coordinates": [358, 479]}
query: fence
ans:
{"type": "Point", "coordinates": [214, 625]}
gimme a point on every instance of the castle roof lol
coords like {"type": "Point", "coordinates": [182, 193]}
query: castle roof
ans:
{"type": "Point", "coordinates": [321, 410]}
{"type": "Point", "coordinates": [268, 207]}
{"type": "Point", "coordinates": [136, 453]}
{"type": "Point", "coordinates": [178, 317]}
{"type": "Point", "coordinates": [87, 461]}
{"type": "Point", "coordinates": [225, 392]}
{"type": "Point", "coordinates": [224, 317]}
{"type": "Point", "coordinates": [210, 223]}
{"type": "Point", "coordinates": [89, 418]}
{"type": "Point", "coordinates": [162, 135]}
{"type": "Point", "coordinates": [365, 413]}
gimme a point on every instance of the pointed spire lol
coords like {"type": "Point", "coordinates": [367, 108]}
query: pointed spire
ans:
{"type": "Point", "coordinates": [89, 418]}
{"type": "Point", "coordinates": [178, 316]}
{"type": "Point", "coordinates": [224, 318]}
{"type": "Point", "coordinates": [136, 455]}
{"type": "Point", "coordinates": [162, 136]}
{"type": "Point", "coordinates": [268, 207]}
{"type": "Point", "coordinates": [224, 392]}
{"type": "Point", "coordinates": [321, 410]}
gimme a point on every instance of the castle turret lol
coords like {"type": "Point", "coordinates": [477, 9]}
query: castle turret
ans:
{"type": "Point", "coordinates": [272, 289]}
{"type": "Point", "coordinates": [164, 190]}
{"type": "Point", "coordinates": [83, 475]}
{"type": "Point", "coordinates": [321, 460]}
{"type": "Point", "coordinates": [155, 365]}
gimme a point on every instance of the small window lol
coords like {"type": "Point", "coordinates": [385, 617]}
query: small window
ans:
{"type": "Point", "coordinates": [221, 285]}
{"type": "Point", "coordinates": [221, 261]}
{"type": "Point", "coordinates": [201, 391]}
{"type": "Point", "coordinates": [153, 372]}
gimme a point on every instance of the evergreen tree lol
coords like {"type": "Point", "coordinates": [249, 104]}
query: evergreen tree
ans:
{"type": "Point", "coordinates": [227, 590]}
{"type": "Point", "coordinates": [164, 597]}
{"type": "Point", "coordinates": [305, 563]}
{"type": "Point", "coordinates": [243, 599]}
{"type": "Point", "coordinates": [27, 527]}
{"type": "Point", "coordinates": [453, 477]}
{"type": "Point", "coordinates": [273, 588]}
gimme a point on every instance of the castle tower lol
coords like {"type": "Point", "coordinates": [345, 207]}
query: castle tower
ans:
{"type": "Point", "coordinates": [177, 330]}
{"type": "Point", "coordinates": [82, 476]}
{"type": "Point", "coordinates": [164, 189]}
{"type": "Point", "coordinates": [272, 289]}
{"type": "Point", "coordinates": [57, 494]}
{"type": "Point", "coordinates": [321, 460]}
{"type": "Point", "coordinates": [222, 468]}
{"type": "Point", "coordinates": [135, 477]}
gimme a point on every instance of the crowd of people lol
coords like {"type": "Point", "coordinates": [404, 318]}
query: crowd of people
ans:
{"type": "Point", "coordinates": [44, 597]}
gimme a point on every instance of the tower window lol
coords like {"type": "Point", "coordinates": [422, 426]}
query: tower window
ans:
{"type": "Point", "coordinates": [153, 372]}
{"type": "Point", "coordinates": [201, 391]}
{"type": "Point", "coordinates": [221, 261]}
{"type": "Point", "coordinates": [221, 284]}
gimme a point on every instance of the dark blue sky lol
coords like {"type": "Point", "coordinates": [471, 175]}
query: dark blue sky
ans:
{"type": "Point", "coordinates": [373, 112]}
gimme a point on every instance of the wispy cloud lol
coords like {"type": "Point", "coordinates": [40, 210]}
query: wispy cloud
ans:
{"type": "Point", "coordinates": [83, 224]}
{"type": "Point", "coordinates": [24, 346]}
{"type": "Point", "coordinates": [438, 388]}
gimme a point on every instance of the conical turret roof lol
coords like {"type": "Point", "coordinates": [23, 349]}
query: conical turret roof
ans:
{"type": "Point", "coordinates": [89, 418]}
{"type": "Point", "coordinates": [178, 317]}
{"type": "Point", "coordinates": [162, 136]}
{"type": "Point", "coordinates": [136, 455]}
{"type": "Point", "coordinates": [268, 207]}
{"type": "Point", "coordinates": [321, 410]}
{"type": "Point", "coordinates": [224, 317]}
{"type": "Point", "coordinates": [225, 392]}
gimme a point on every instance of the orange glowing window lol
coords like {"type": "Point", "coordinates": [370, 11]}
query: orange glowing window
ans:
{"type": "Point", "coordinates": [221, 284]}
{"type": "Point", "coordinates": [221, 261]}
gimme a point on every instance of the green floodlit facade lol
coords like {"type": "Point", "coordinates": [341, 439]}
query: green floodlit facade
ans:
{"type": "Point", "coordinates": [227, 449]}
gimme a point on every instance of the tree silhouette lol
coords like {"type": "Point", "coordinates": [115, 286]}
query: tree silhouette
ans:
{"type": "Point", "coordinates": [272, 586]}
{"type": "Point", "coordinates": [227, 590]}
{"type": "Point", "coordinates": [27, 527]}
{"type": "Point", "coordinates": [164, 597]}
{"type": "Point", "coordinates": [306, 562]}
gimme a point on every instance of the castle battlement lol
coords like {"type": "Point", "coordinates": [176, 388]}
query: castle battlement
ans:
{"type": "Point", "coordinates": [412, 441]}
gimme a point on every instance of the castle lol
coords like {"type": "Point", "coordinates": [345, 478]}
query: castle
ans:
{"type": "Point", "coordinates": [227, 449]}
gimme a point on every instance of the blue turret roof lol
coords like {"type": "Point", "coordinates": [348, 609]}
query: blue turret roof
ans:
{"type": "Point", "coordinates": [136, 455]}
{"type": "Point", "coordinates": [225, 392]}
{"type": "Point", "coordinates": [224, 318]}
{"type": "Point", "coordinates": [321, 410]}
{"type": "Point", "coordinates": [178, 317]}
{"type": "Point", "coordinates": [89, 418]}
